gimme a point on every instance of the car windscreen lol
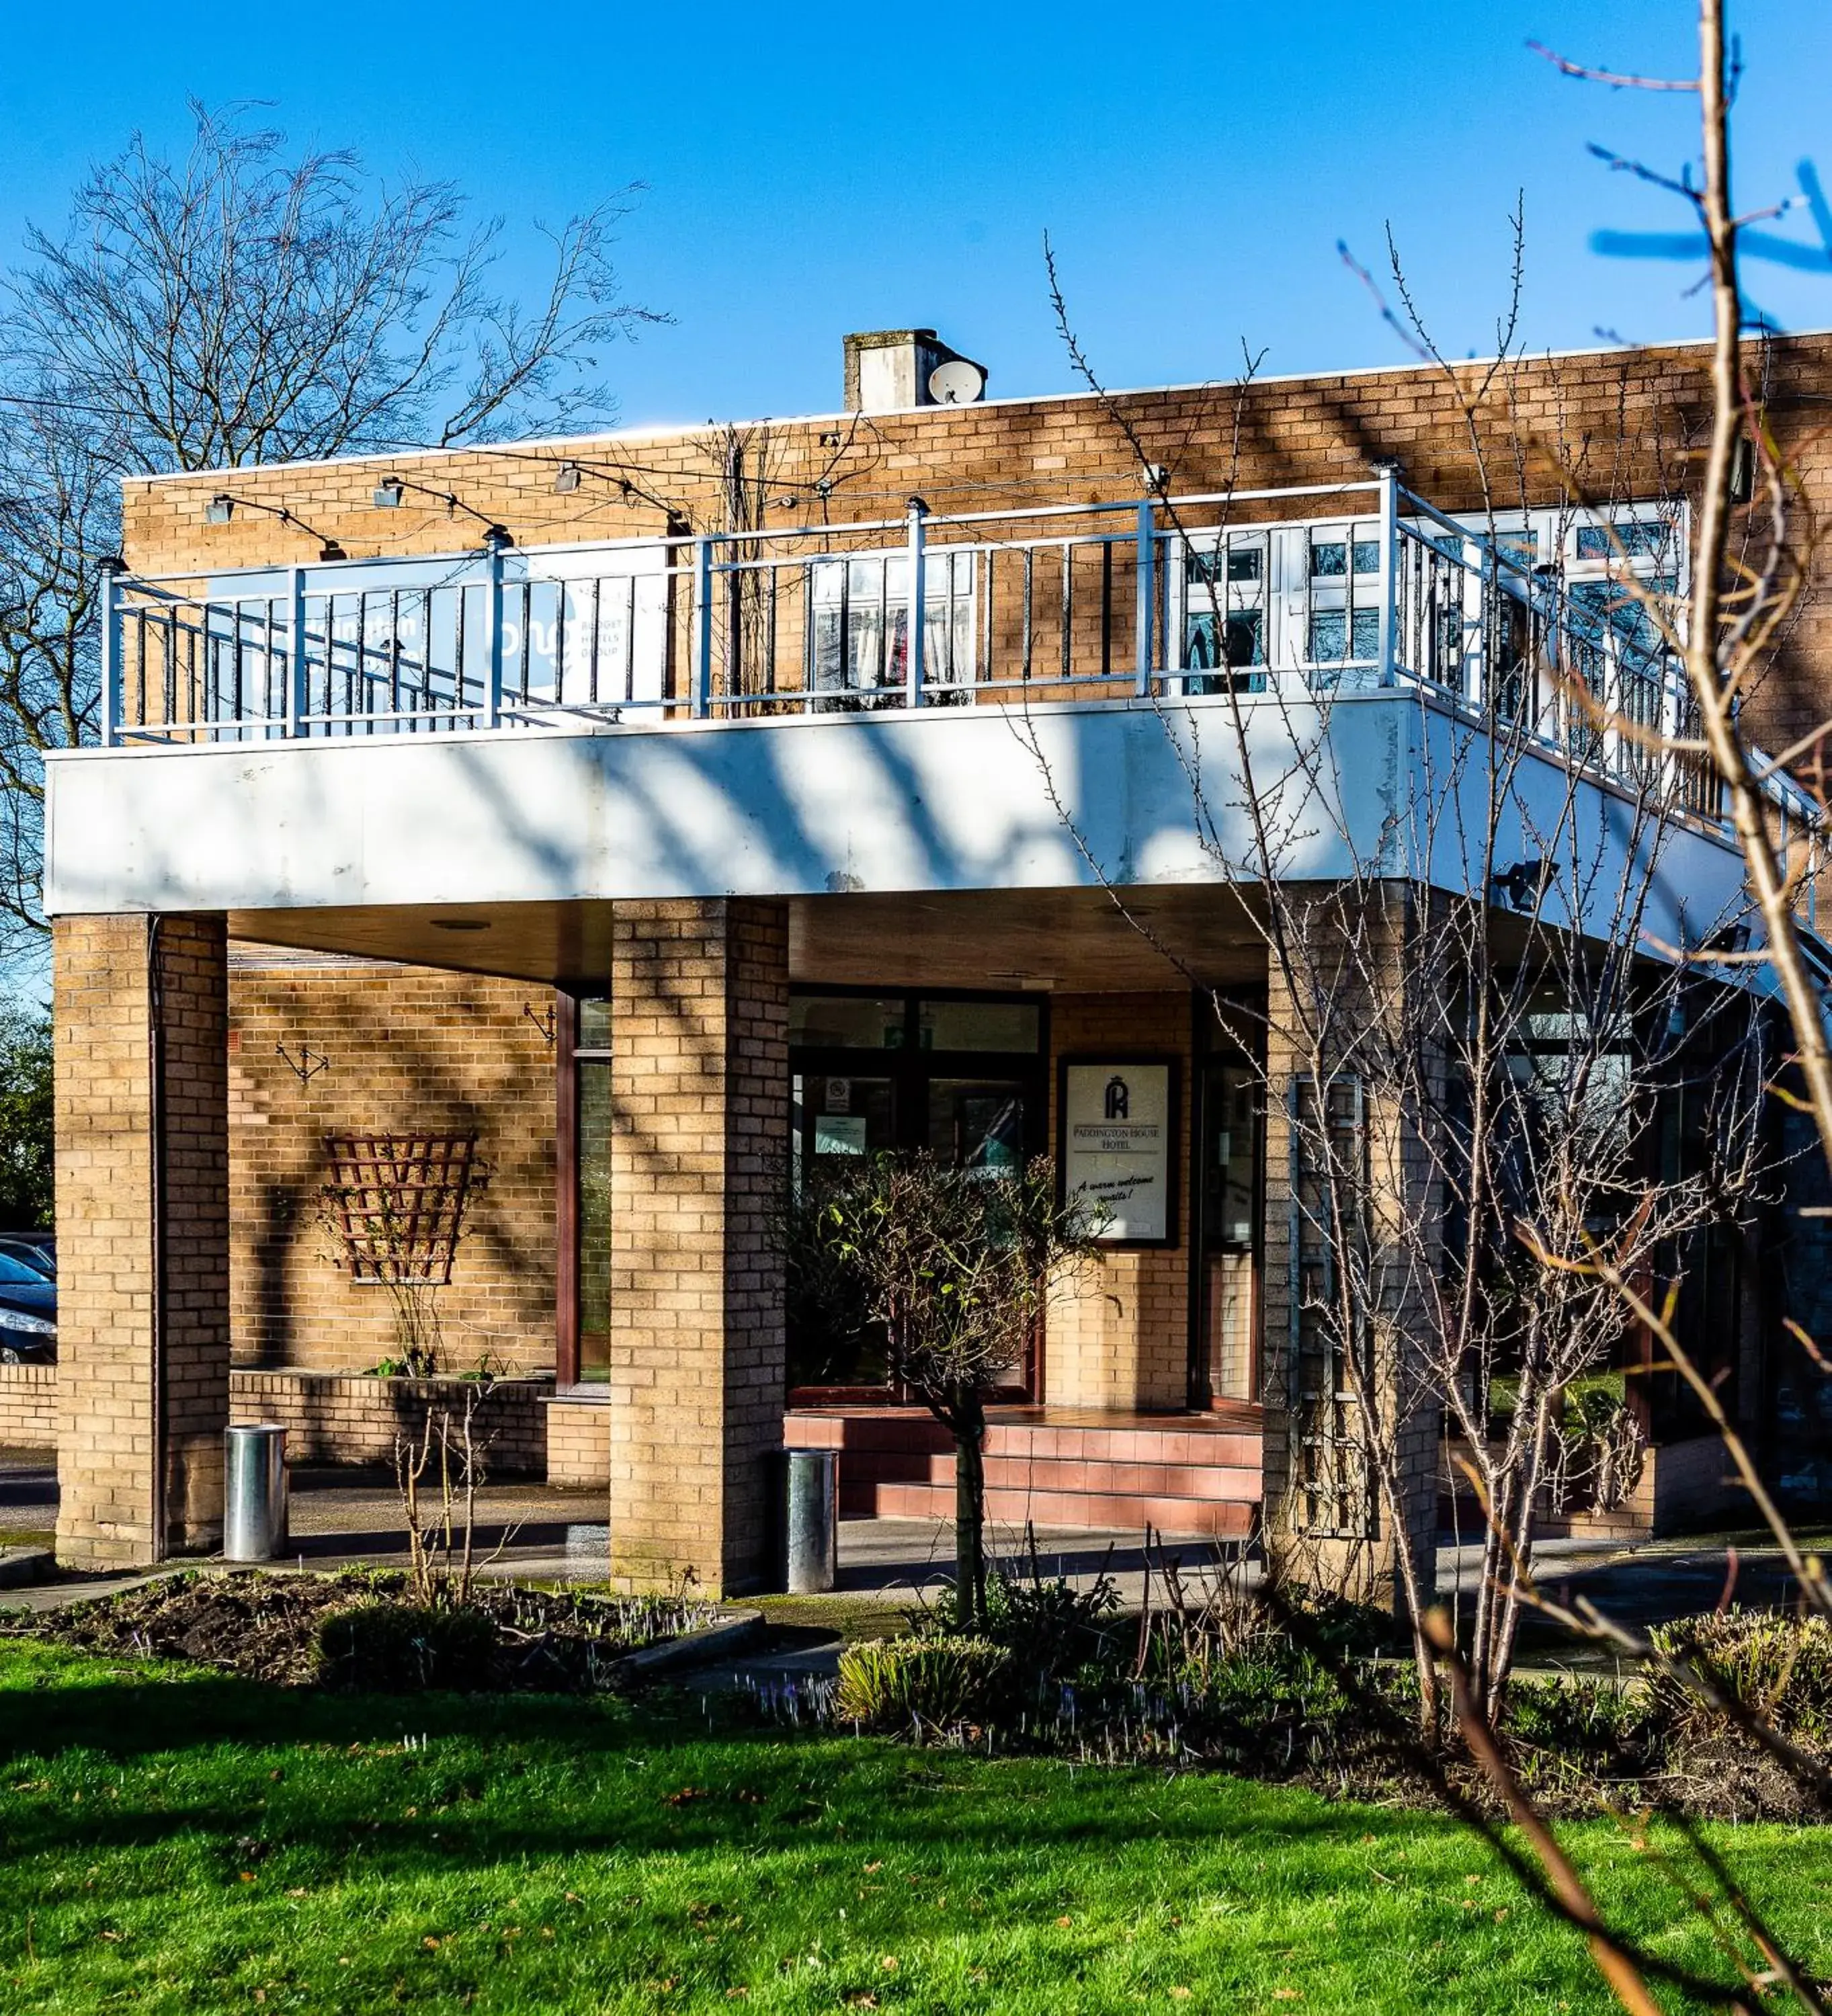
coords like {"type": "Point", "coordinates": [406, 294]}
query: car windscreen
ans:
{"type": "Point", "coordinates": [15, 1273]}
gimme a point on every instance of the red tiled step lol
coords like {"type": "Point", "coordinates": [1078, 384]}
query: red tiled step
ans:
{"type": "Point", "coordinates": [1214, 1518]}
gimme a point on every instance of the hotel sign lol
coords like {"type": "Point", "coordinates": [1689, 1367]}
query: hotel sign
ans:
{"type": "Point", "coordinates": [1118, 1121]}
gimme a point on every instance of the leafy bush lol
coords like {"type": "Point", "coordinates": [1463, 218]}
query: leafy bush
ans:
{"type": "Point", "coordinates": [402, 1648]}
{"type": "Point", "coordinates": [1778, 1666]}
{"type": "Point", "coordinates": [1049, 1629]}
{"type": "Point", "coordinates": [1576, 1712]}
{"type": "Point", "coordinates": [938, 1681]}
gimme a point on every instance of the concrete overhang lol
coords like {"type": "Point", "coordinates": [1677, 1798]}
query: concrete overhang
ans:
{"type": "Point", "coordinates": [978, 797]}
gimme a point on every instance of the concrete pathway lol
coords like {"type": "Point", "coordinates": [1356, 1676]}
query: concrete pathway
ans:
{"type": "Point", "coordinates": [346, 1516]}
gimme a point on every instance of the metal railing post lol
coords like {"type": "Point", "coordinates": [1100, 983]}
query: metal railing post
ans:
{"type": "Point", "coordinates": [298, 678]}
{"type": "Point", "coordinates": [492, 634]}
{"type": "Point", "coordinates": [109, 724]}
{"type": "Point", "coordinates": [1388, 473]}
{"type": "Point", "coordinates": [1145, 623]}
{"type": "Point", "coordinates": [702, 694]}
{"type": "Point", "coordinates": [917, 643]}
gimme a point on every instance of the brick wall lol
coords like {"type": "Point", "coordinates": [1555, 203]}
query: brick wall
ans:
{"type": "Point", "coordinates": [578, 1441]}
{"type": "Point", "coordinates": [408, 1050]}
{"type": "Point", "coordinates": [1631, 424]}
{"type": "Point", "coordinates": [1119, 1336]}
{"type": "Point", "coordinates": [28, 1406]}
{"type": "Point", "coordinates": [334, 1417]}
{"type": "Point", "coordinates": [127, 1355]}
{"type": "Point", "coordinates": [699, 1126]}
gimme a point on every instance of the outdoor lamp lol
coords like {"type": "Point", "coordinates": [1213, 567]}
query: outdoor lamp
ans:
{"type": "Point", "coordinates": [566, 479]}
{"type": "Point", "coordinates": [219, 510]}
{"type": "Point", "coordinates": [387, 493]}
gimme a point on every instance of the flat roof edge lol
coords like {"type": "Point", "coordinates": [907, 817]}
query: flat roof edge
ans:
{"type": "Point", "coordinates": [558, 444]}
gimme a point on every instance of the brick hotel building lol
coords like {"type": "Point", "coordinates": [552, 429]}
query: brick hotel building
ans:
{"type": "Point", "coordinates": [600, 823]}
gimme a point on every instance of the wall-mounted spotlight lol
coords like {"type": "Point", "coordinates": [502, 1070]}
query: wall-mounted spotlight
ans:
{"type": "Point", "coordinates": [1525, 883]}
{"type": "Point", "coordinates": [390, 492]}
{"type": "Point", "coordinates": [222, 507]}
{"type": "Point", "coordinates": [571, 476]}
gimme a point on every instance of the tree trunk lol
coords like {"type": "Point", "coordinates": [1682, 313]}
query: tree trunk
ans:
{"type": "Point", "coordinates": [969, 1424]}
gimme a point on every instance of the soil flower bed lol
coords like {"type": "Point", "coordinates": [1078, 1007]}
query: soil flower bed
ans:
{"type": "Point", "coordinates": [358, 1627]}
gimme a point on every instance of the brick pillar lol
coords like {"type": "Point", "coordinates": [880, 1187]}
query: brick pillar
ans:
{"type": "Point", "coordinates": [1356, 954]}
{"type": "Point", "coordinates": [143, 1350]}
{"type": "Point", "coordinates": [700, 1077]}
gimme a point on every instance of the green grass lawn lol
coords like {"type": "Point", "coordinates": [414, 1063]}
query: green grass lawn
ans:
{"type": "Point", "coordinates": [170, 1840]}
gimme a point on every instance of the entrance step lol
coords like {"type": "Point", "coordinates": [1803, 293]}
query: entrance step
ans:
{"type": "Point", "coordinates": [1186, 1474]}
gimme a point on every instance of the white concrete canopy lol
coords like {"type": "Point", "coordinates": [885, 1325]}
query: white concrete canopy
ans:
{"type": "Point", "coordinates": [1144, 794]}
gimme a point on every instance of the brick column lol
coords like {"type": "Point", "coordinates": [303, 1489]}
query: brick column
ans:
{"type": "Point", "coordinates": [1356, 954]}
{"type": "Point", "coordinates": [142, 1173]}
{"type": "Point", "coordinates": [700, 1077]}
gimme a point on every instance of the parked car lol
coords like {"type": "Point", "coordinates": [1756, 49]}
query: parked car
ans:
{"type": "Point", "coordinates": [36, 1249]}
{"type": "Point", "coordinates": [28, 1312]}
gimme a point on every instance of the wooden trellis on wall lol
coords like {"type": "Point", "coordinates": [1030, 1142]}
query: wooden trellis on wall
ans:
{"type": "Point", "coordinates": [398, 1202]}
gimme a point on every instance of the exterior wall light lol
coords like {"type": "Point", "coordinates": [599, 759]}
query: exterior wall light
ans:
{"type": "Point", "coordinates": [495, 536]}
{"type": "Point", "coordinates": [1525, 883]}
{"type": "Point", "coordinates": [222, 508]}
{"type": "Point", "coordinates": [566, 479]}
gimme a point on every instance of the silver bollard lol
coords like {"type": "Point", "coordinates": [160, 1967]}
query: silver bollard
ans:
{"type": "Point", "coordinates": [810, 1521]}
{"type": "Point", "coordinates": [254, 1493]}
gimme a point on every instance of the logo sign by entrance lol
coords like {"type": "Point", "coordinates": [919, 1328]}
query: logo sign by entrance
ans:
{"type": "Point", "coordinates": [1117, 1124]}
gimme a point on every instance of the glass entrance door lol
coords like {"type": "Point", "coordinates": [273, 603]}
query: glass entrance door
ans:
{"type": "Point", "coordinates": [961, 1075]}
{"type": "Point", "coordinates": [977, 1123]}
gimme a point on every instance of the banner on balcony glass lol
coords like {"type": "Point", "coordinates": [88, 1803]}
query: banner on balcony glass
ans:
{"type": "Point", "coordinates": [1118, 1122]}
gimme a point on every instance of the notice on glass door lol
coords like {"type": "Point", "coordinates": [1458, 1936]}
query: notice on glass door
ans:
{"type": "Point", "coordinates": [1117, 1122]}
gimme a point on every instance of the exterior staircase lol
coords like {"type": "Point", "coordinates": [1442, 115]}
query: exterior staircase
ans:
{"type": "Point", "coordinates": [1191, 1475]}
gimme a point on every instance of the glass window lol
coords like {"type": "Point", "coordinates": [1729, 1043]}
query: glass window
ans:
{"type": "Point", "coordinates": [980, 1025]}
{"type": "Point", "coordinates": [1520, 545]}
{"type": "Point", "coordinates": [1329, 559]}
{"type": "Point", "coordinates": [1245, 563]}
{"type": "Point", "coordinates": [594, 1025]}
{"type": "Point", "coordinates": [976, 1124]}
{"type": "Point", "coordinates": [859, 632]}
{"type": "Point", "coordinates": [1643, 538]}
{"type": "Point", "coordinates": [1367, 556]}
{"type": "Point", "coordinates": [846, 1116]}
{"type": "Point", "coordinates": [15, 1273]}
{"type": "Point", "coordinates": [594, 1179]}
{"type": "Point", "coordinates": [847, 1021]}
{"type": "Point", "coordinates": [1330, 635]}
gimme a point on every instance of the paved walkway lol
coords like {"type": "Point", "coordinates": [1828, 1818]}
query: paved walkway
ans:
{"type": "Point", "coordinates": [343, 1516]}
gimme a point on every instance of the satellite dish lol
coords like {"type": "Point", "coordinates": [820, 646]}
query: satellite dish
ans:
{"type": "Point", "coordinates": [957, 382]}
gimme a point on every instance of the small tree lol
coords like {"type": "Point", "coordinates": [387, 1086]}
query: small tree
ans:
{"type": "Point", "coordinates": [957, 1264]}
{"type": "Point", "coordinates": [25, 1120]}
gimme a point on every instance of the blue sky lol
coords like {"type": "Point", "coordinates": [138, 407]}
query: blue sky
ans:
{"type": "Point", "coordinates": [816, 169]}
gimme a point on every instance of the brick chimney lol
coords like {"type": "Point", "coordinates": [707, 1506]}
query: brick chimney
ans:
{"type": "Point", "coordinates": [889, 370]}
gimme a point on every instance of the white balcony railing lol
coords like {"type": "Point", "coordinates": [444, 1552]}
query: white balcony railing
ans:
{"type": "Point", "coordinates": [1330, 589]}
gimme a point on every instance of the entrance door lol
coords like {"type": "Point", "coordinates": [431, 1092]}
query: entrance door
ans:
{"type": "Point", "coordinates": [1230, 1210]}
{"type": "Point", "coordinates": [978, 1123]}
{"type": "Point", "coordinates": [962, 1075]}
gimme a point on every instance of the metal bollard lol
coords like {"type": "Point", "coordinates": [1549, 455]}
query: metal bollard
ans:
{"type": "Point", "coordinates": [808, 1521]}
{"type": "Point", "coordinates": [254, 1493]}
